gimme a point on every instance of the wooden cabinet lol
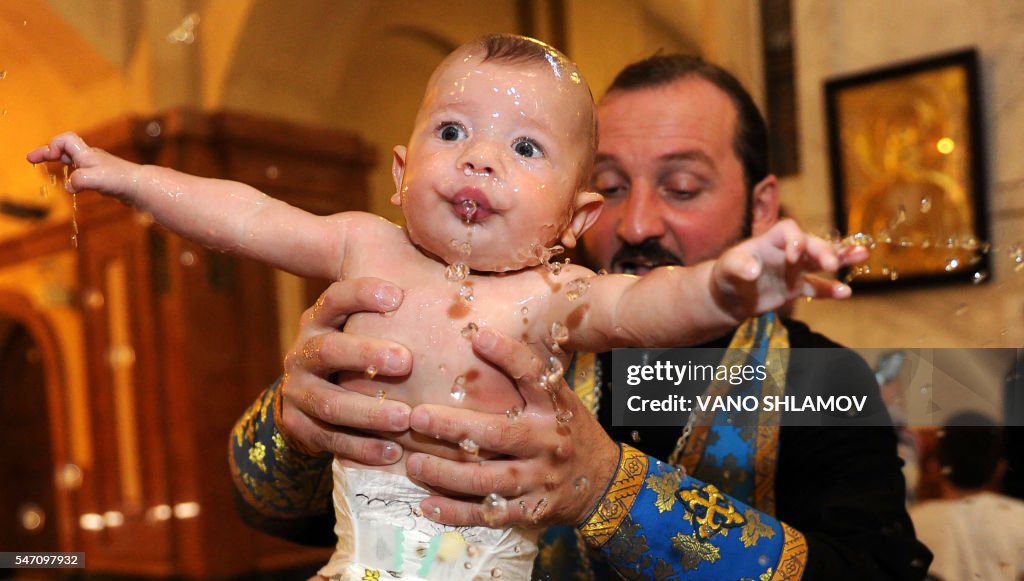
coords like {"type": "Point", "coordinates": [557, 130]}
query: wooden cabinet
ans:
{"type": "Point", "coordinates": [178, 340]}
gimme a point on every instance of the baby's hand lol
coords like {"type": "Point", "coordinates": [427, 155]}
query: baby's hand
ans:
{"type": "Point", "coordinates": [95, 169]}
{"type": "Point", "coordinates": [765, 272]}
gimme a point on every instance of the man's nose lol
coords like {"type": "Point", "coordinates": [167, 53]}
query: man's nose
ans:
{"type": "Point", "coordinates": [641, 217]}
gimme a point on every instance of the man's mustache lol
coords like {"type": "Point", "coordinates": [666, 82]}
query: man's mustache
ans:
{"type": "Point", "coordinates": [649, 253]}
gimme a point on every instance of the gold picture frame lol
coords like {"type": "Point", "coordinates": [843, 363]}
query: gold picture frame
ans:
{"type": "Point", "coordinates": [908, 170]}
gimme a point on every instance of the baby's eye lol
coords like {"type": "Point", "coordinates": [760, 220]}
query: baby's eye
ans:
{"type": "Point", "coordinates": [451, 131]}
{"type": "Point", "coordinates": [527, 148]}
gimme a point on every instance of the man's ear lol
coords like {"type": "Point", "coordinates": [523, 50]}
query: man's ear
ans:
{"type": "Point", "coordinates": [398, 172]}
{"type": "Point", "coordinates": [765, 205]}
{"type": "Point", "coordinates": [586, 209]}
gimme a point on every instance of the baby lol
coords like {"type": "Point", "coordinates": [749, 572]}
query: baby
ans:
{"type": "Point", "coordinates": [491, 180]}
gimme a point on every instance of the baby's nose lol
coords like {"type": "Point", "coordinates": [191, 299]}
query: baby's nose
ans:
{"type": "Point", "coordinates": [479, 159]}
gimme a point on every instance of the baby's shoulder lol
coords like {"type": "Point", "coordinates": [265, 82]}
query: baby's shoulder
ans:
{"type": "Point", "coordinates": [370, 229]}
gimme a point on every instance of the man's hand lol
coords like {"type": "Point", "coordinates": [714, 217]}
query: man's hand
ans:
{"type": "Point", "coordinates": [557, 460]}
{"type": "Point", "coordinates": [319, 416]}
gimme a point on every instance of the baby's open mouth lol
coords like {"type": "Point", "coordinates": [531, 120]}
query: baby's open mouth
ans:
{"type": "Point", "coordinates": [471, 205]}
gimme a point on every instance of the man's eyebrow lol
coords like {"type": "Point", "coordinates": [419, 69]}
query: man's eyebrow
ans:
{"type": "Point", "coordinates": [689, 155]}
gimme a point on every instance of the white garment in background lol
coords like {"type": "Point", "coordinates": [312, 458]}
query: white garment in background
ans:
{"type": "Point", "coordinates": [977, 537]}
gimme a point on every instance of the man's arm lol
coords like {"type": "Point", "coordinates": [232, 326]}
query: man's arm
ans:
{"type": "Point", "coordinates": [281, 447]}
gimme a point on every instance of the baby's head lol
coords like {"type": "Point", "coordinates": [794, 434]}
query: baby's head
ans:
{"type": "Point", "coordinates": [499, 156]}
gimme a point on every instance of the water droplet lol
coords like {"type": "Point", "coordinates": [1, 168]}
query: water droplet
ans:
{"type": "Point", "coordinates": [576, 288]}
{"type": "Point", "coordinates": [960, 309]}
{"type": "Point", "coordinates": [952, 264]}
{"type": "Point", "coordinates": [763, 560]}
{"type": "Point", "coordinates": [926, 204]}
{"type": "Point", "coordinates": [467, 565]}
{"type": "Point", "coordinates": [459, 388]}
{"type": "Point", "coordinates": [456, 272]}
{"type": "Point", "coordinates": [466, 294]}
{"type": "Point", "coordinates": [272, 172]}
{"type": "Point", "coordinates": [495, 509]}
{"type": "Point", "coordinates": [187, 258]}
{"type": "Point", "coordinates": [563, 417]}
{"type": "Point", "coordinates": [899, 218]}
{"type": "Point", "coordinates": [153, 129]}
{"type": "Point", "coordinates": [513, 413]}
{"type": "Point", "coordinates": [925, 389]}
{"type": "Point", "coordinates": [524, 311]}
{"type": "Point", "coordinates": [581, 484]}
{"type": "Point", "coordinates": [905, 242]}
{"type": "Point", "coordinates": [468, 209]}
{"type": "Point", "coordinates": [1016, 253]}
{"type": "Point", "coordinates": [602, 272]}
{"type": "Point", "coordinates": [185, 32]}
{"type": "Point", "coordinates": [539, 510]}
{"type": "Point", "coordinates": [371, 371]}
{"type": "Point", "coordinates": [979, 277]}
{"type": "Point", "coordinates": [469, 330]}
{"type": "Point", "coordinates": [552, 379]}
{"type": "Point", "coordinates": [516, 549]}
{"type": "Point", "coordinates": [381, 395]}
{"type": "Point", "coordinates": [472, 551]}
{"type": "Point", "coordinates": [3, 75]}
{"type": "Point", "coordinates": [470, 446]}
{"type": "Point", "coordinates": [635, 436]}
{"type": "Point", "coordinates": [857, 239]}
{"type": "Point", "coordinates": [417, 511]}
{"type": "Point", "coordinates": [436, 511]}
{"type": "Point", "coordinates": [559, 332]}
{"type": "Point", "coordinates": [496, 573]}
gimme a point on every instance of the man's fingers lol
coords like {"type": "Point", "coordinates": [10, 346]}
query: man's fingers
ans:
{"type": "Point", "coordinates": [334, 351]}
{"type": "Point", "coordinates": [516, 360]}
{"type": "Point", "coordinates": [336, 406]}
{"type": "Point", "coordinates": [492, 432]}
{"type": "Point", "coordinates": [343, 298]}
{"type": "Point", "coordinates": [476, 479]}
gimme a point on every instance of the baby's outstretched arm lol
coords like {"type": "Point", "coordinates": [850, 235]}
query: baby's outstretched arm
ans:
{"type": "Point", "coordinates": [675, 306]}
{"type": "Point", "coordinates": [221, 214]}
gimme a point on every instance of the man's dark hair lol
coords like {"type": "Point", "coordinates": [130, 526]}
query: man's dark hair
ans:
{"type": "Point", "coordinates": [969, 449]}
{"type": "Point", "coordinates": [750, 143]}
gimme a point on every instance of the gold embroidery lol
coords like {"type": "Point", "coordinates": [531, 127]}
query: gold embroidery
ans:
{"type": "Point", "coordinates": [665, 486]}
{"type": "Point", "coordinates": [695, 551]}
{"type": "Point", "coordinates": [719, 514]}
{"type": "Point", "coordinates": [619, 499]}
{"type": "Point", "coordinates": [256, 455]}
{"type": "Point", "coordinates": [755, 529]}
{"type": "Point", "coordinates": [794, 556]}
{"type": "Point", "coordinates": [370, 575]}
{"type": "Point", "coordinates": [583, 380]}
{"type": "Point", "coordinates": [766, 576]}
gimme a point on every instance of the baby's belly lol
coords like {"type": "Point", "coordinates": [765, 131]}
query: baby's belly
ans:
{"type": "Point", "coordinates": [445, 371]}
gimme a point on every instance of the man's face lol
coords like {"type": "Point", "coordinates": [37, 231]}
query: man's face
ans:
{"type": "Point", "coordinates": [674, 188]}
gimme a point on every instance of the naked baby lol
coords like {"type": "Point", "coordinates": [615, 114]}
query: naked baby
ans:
{"type": "Point", "coordinates": [492, 179]}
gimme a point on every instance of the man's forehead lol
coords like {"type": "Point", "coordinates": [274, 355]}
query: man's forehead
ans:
{"type": "Point", "coordinates": [686, 119]}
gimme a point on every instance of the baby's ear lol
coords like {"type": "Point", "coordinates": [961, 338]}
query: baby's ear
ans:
{"type": "Point", "coordinates": [586, 208]}
{"type": "Point", "coordinates": [398, 172]}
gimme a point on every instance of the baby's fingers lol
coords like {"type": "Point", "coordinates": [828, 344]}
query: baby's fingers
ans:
{"type": "Point", "coordinates": [62, 148]}
{"type": "Point", "coordinates": [850, 255]}
{"type": "Point", "coordinates": [825, 288]}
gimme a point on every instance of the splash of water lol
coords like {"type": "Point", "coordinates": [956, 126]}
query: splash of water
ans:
{"type": "Point", "coordinates": [495, 508]}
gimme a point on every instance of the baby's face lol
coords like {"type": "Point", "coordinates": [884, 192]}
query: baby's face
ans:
{"type": "Point", "coordinates": [494, 161]}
